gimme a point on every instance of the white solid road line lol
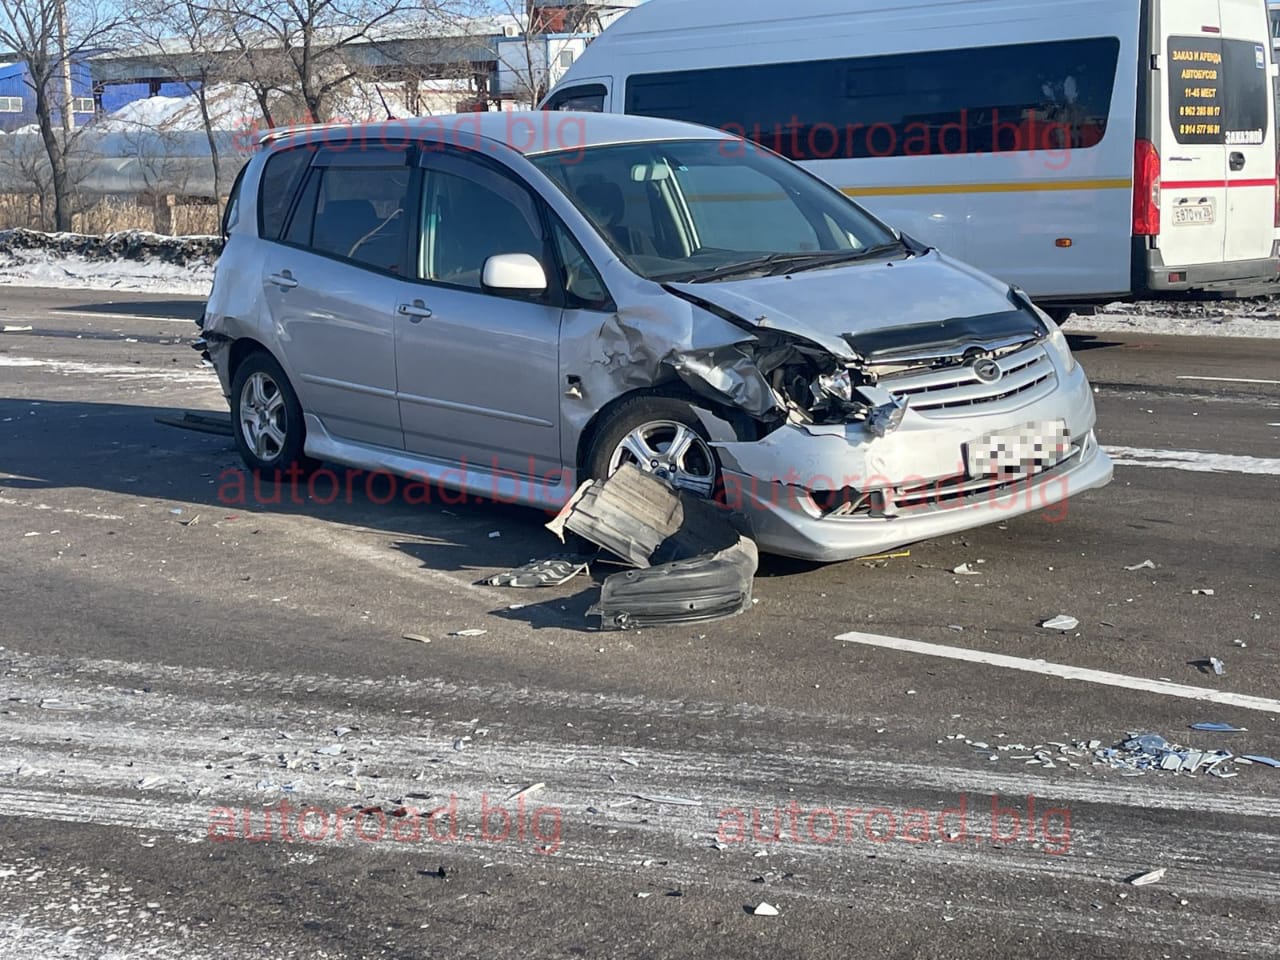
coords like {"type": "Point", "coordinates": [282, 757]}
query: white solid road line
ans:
{"type": "Point", "coordinates": [1066, 672]}
{"type": "Point", "coordinates": [1273, 383]}
{"type": "Point", "coordinates": [1193, 461]}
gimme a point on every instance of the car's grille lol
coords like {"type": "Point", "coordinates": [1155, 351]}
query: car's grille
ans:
{"type": "Point", "coordinates": [1028, 371]}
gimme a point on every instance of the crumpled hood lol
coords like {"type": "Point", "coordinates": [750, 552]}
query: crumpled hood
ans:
{"type": "Point", "coordinates": [825, 305]}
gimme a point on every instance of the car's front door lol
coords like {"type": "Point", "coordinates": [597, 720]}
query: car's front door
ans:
{"type": "Point", "coordinates": [331, 282]}
{"type": "Point", "coordinates": [478, 369]}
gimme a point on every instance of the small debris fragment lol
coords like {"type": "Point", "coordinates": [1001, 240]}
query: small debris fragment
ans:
{"type": "Point", "coordinates": [531, 789]}
{"type": "Point", "coordinates": [495, 535]}
{"type": "Point", "coordinates": [469, 633]}
{"type": "Point", "coordinates": [765, 910]}
{"type": "Point", "coordinates": [341, 732]}
{"type": "Point", "coordinates": [1265, 761]}
{"type": "Point", "coordinates": [628, 761]}
{"type": "Point", "coordinates": [964, 570]}
{"type": "Point", "coordinates": [1202, 593]}
{"type": "Point", "coordinates": [551, 572]}
{"type": "Point", "coordinates": [672, 801]}
{"type": "Point", "coordinates": [1218, 666]}
{"type": "Point", "coordinates": [16, 328]}
{"type": "Point", "coordinates": [1144, 565]}
{"type": "Point", "coordinates": [329, 750]}
{"type": "Point", "coordinates": [1146, 879]}
{"type": "Point", "coordinates": [416, 638]}
{"type": "Point", "coordinates": [1062, 623]}
{"type": "Point", "coordinates": [1217, 727]}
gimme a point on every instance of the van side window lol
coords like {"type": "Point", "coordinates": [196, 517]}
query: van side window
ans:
{"type": "Point", "coordinates": [1023, 97]}
{"type": "Point", "coordinates": [356, 214]}
{"type": "Point", "coordinates": [587, 98]}
{"type": "Point", "coordinates": [281, 176]}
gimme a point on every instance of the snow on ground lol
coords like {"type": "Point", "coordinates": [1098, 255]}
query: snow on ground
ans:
{"type": "Point", "coordinates": [1258, 318]}
{"type": "Point", "coordinates": [133, 261]}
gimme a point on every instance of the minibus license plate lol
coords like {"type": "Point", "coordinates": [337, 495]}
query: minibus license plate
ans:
{"type": "Point", "coordinates": [1201, 213]}
{"type": "Point", "coordinates": [1028, 449]}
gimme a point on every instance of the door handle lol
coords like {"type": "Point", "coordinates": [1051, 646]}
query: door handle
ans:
{"type": "Point", "coordinates": [283, 279]}
{"type": "Point", "coordinates": [416, 311]}
{"type": "Point", "coordinates": [1236, 161]}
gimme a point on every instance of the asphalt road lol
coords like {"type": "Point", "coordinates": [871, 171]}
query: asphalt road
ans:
{"type": "Point", "coordinates": [174, 663]}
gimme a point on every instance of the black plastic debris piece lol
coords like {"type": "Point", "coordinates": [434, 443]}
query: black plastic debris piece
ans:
{"type": "Point", "coordinates": [551, 572]}
{"type": "Point", "coordinates": [708, 587]}
{"type": "Point", "coordinates": [201, 421]}
{"type": "Point", "coordinates": [695, 560]}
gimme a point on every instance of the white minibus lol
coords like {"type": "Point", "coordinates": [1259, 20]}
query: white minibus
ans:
{"type": "Point", "coordinates": [1087, 151]}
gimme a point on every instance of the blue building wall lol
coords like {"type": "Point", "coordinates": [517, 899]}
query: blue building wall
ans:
{"type": "Point", "coordinates": [14, 82]}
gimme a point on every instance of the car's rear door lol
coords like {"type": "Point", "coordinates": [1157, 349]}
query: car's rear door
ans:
{"type": "Point", "coordinates": [330, 282]}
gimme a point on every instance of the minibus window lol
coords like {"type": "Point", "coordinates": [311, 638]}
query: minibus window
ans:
{"type": "Point", "coordinates": [1218, 91]}
{"type": "Point", "coordinates": [1053, 95]}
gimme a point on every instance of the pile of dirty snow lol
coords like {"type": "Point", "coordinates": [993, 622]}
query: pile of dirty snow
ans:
{"type": "Point", "coordinates": [129, 260]}
{"type": "Point", "coordinates": [1258, 317]}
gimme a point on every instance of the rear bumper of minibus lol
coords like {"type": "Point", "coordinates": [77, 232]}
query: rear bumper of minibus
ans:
{"type": "Point", "coordinates": [1154, 279]}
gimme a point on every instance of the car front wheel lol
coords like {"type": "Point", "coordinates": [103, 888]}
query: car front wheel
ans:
{"type": "Point", "coordinates": [662, 436]}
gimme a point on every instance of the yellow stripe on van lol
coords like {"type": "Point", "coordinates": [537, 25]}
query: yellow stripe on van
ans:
{"type": "Point", "coordinates": [1017, 186]}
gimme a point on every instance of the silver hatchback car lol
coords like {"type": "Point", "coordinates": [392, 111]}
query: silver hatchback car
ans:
{"type": "Point", "coordinates": [508, 305]}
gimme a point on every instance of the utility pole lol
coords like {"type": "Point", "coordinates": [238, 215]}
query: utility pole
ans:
{"type": "Point", "coordinates": [68, 100]}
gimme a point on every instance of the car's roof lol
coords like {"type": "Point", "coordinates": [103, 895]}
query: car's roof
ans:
{"type": "Point", "coordinates": [529, 132]}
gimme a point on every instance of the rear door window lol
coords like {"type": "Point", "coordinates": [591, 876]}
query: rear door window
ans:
{"type": "Point", "coordinates": [1218, 91]}
{"type": "Point", "coordinates": [281, 176]}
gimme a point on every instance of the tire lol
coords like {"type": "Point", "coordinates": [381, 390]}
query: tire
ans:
{"type": "Point", "coordinates": [266, 417]}
{"type": "Point", "coordinates": [657, 421]}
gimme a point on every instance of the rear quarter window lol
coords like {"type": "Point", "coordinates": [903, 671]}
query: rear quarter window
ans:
{"type": "Point", "coordinates": [282, 174]}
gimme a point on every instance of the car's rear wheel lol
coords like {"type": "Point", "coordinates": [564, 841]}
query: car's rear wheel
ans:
{"type": "Point", "coordinates": [662, 436]}
{"type": "Point", "coordinates": [267, 417]}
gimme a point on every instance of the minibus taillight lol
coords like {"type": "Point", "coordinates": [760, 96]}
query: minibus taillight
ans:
{"type": "Point", "coordinates": [1146, 190]}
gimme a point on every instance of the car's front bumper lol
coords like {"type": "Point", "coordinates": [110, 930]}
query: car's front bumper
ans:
{"type": "Point", "coordinates": [772, 481]}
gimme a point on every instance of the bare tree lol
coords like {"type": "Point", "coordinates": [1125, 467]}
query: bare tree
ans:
{"type": "Point", "coordinates": [307, 47]}
{"type": "Point", "coordinates": [48, 37]}
{"type": "Point", "coordinates": [200, 57]}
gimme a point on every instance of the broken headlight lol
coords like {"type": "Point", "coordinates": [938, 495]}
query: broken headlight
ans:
{"type": "Point", "coordinates": [834, 386]}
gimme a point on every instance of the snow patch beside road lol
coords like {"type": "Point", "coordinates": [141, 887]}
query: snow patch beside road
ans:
{"type": "Point", "coordinates": [1227, 318]}
{"type": "Point", "coordinates": [131, 260]}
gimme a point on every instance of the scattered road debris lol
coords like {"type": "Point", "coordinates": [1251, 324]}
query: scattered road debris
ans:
{"type": "Point", "coordinates": [16, 328]}
{"type": "Point", "coordinates": [495, 535]}
{"type": "Point", "coordinates": [329, 750]}
{"type": "Point", "coordinates": [1144, 565]}
{"type": "Point", "coordinates": [899, 555]}
{"type": "Point", "coordinates": [1212, 727]}
{"type": "Point", "coordinates": [1062, 623]}
{"type": "Point", "coordinates": [531, 789]}
{"type": "Point", "coordinates": [1265, 761]}
{"type": "Point", "coordinates": [628, 761]}
{"type": "Point", "coordinates": [416, 638]}
{"type": "Point", "coordinates": [551, 572]}
{"type": "Point", "coordinates": [1202, 593]}
{"type": "Point", "coordinates": [1138, 754]}
{"type": "Point", "coordinates": [965, 570]}
{"type": "Point", "coordinates": [669, 801]}
{"type": "Point", "coordinates": [765, 910]}
{"type": "Point", "coordinates": [1217, 666]}
{"type": "Point", "coordinates": [201, 421]}
{"type": "Point", "coordinates": [694, 561]}
{"type": "Point", "coordinates": [469, 632]}
{"type": "Point", "coordinates": [1146, 879]}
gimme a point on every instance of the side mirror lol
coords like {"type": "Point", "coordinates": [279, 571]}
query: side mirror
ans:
{"type": "Point", "coordinates": [514, 271]}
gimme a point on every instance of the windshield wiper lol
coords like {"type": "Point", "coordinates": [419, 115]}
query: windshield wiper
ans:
{"type": "Point", "coordinates": [754, 265]}
{"type": "Point", "coordinates": [819, 260]}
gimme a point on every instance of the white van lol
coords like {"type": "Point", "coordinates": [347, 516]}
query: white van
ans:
{"type": "Point", "coordinates": [1090, 151]}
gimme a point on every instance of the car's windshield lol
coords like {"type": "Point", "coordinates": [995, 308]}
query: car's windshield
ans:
{"type": "Point", "coordinates": [712, 209]}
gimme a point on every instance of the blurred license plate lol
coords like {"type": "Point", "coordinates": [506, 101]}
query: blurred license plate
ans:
{"type": "Point", "coordinates": [1193, 213]}
{"type": "Point", "coordinates": [1027, 449]}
